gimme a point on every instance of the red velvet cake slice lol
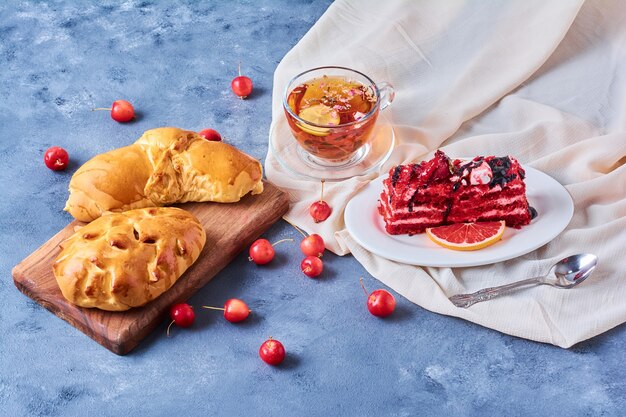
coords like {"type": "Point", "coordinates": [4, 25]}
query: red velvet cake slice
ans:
{"type": "Point", "coordinates": [444, 191]}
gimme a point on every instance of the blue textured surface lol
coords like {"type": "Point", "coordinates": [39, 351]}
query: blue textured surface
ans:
{"type": "Point", "coordinates": [174, 61]}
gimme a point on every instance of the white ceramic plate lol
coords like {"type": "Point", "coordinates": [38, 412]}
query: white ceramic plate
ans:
{"type": "Point", "coordinates": [552, 202]}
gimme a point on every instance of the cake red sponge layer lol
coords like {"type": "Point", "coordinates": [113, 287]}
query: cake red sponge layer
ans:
{"type": "Point", "coordinates": [444, 191]}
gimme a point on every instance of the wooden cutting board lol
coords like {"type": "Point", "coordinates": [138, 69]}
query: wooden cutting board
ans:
{"type": "Point", "coordinates": [229, 228]}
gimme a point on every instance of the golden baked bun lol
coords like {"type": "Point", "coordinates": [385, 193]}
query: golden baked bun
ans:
{"type": "Point", "coordinates": [112, 181]}
{"type": "Point", "coordinates": [124, 260]}
{"type": "Point", "coordinates": [165, 166]}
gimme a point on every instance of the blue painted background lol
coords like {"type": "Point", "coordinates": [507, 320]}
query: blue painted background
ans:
{"type": "Point", "coordinates": [174, 61]}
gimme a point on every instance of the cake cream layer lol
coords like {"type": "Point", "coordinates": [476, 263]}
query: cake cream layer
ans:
{"type": "Point", "coordinates": [421, 210]}
{"type": "Point", "coordinates": [496, 196]}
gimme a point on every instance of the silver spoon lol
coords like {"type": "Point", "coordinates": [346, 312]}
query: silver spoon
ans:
{"type": "Point", "coordinates": [568, 272]}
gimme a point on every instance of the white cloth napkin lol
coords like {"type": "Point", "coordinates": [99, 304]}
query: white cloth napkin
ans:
{"type": "Point", "coordinates": [542, 81]}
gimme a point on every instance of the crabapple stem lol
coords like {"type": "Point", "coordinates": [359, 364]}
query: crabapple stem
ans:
{"type": "Point", "coordinates": [296, 227]}
{"type": "Point", "coordinates": [363, 286]}
{"type": "Point", "coordinates": [214, 308]}
{"type": "Point", "coordinates": [281, 241]}
{"type": "Point", "coordinates": [322, 196]}
{"type": "Point", "coordinates": [239, 69]}
{"type": "Point", "coordinates": [100, 108]}
{"type": "Point", "coordinates": [167, 332]}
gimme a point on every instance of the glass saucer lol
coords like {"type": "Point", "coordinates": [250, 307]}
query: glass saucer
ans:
{"type": "Point", "coordinates": [299, 163]}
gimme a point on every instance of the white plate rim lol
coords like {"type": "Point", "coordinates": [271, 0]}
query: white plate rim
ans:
{"type": "Point", "coordinates": [540, 189]}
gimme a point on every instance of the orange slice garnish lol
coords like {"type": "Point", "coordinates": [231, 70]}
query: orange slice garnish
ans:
{"type": "Point", "coordinates": [467, 236]}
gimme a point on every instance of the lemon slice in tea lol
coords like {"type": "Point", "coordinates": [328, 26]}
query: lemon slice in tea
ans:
{"type": "Point", "coordinates": [320, 115]}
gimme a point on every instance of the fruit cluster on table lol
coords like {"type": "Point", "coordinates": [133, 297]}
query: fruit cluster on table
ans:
{"type": "Point", "coordinates": [380, 302]}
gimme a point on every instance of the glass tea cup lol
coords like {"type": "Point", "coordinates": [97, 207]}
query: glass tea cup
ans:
{"type": "Point", "coordinates": [332, 112]}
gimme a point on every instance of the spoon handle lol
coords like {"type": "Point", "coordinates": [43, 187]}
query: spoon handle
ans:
{"type": "Point", "coordinates": [466, 300]}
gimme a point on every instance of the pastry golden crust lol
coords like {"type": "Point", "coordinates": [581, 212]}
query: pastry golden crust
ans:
{"type": "Point", "coordinates": [124, 260]}
{"type": "Point", "coordinates": [191, 168]}
{"type": "Point", "coordinates": [165, 166]}
{"type": "Point", "coordinates": [111, 181]}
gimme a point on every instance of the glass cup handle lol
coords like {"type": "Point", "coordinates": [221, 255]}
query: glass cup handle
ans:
{"type": "Point", "coordinates": [387, 94]}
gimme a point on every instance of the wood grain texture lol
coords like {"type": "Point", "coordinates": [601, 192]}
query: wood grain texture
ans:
{"type": "Point", "coordinates": [229, 228]}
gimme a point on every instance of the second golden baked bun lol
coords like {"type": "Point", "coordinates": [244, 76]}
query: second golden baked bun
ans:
{"type": "Point", "coordinates": [124, 260]}
{"type": "Point", "coordinates": [191, 168]}
{"type": "Point", "coordinates": [165, 166]}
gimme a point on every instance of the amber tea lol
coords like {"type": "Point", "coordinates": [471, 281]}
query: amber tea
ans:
{"type": "Point", "coordinates": [336, 116]}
